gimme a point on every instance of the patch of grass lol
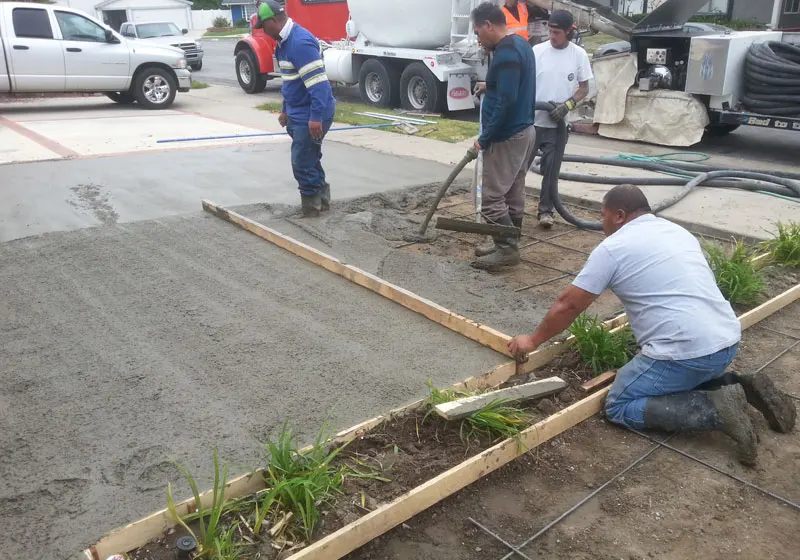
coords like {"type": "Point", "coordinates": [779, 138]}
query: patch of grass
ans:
{"type": "Point", "coordinates": [199, 85]}
{"type": "Point", "coordinates": [737, 278]}
{"type": "Point", "coordinates": [599, 348]}
{"type": "Point", "coordinates": [495, 420]}
{"type": "Point", "coordinates": [234, 31]}
{"type": "Point", "coordinates": [210, 529]}
{"type": "Point", "coordinates": [593, 42]}
{"type": "Point", "coordinates": [303, 480]}
{"type": "Point", "coordinates": [446, 130]}
{"type": "Point", "coordinates": [784, 248]}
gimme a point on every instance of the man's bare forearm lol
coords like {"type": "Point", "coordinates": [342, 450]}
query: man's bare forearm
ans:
{"type": "Point", "coordinates": [558, 319]}
{"type": "Point", "coordinates": [581, 92]}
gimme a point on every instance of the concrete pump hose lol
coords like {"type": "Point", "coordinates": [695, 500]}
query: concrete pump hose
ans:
{"type": "Point", "coordinates": [772, 79]}
{"type": "Point", "coordinates": [692, 175]}
{"type": "Point", "coordinates": [468, 157]}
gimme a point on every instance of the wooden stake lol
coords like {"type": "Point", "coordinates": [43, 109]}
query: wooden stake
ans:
{"type": "Point", "coordinates": [482, 334]}
{"type": "Point", "coordinates": [599, 381]}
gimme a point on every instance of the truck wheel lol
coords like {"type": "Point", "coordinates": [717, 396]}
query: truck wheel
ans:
{"type": "Point", "coordinates": [721, 129]}
{"type": "Point", "coordinates": [154, 88]}
{"type": "Point", "coordinates": [198, 66]}
{"type": "Point", "coordinates": [379, 84]}
{"type": "Point", "coordinates": [121, 97]}
{"type": "Point", "coordinates": [420, 90]}
{"type": "Point", "coordinates": [247, 72]}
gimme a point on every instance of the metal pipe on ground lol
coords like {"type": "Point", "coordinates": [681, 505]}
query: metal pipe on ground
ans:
{"type": "Point", "coordinates": [260, 134]}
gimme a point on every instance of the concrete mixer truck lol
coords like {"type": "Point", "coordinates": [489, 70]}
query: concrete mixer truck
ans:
{"type": "Point", "coordinates": [421, 55]}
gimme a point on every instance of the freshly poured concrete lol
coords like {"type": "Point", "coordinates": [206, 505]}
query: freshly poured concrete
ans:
{"type": "Point", "coordinates": [64, 195]}
{"type": "Point", "coordinates": [128, 344]}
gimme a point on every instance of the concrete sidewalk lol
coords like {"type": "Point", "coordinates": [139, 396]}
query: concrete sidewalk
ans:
{"type": "Point", "coordinates": [714, 211]}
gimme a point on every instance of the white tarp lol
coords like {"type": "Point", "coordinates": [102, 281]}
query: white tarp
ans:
{"type": "Point", "coordinates": [669, 118]}
{"type": "Point", "coordinates": [614, 75]}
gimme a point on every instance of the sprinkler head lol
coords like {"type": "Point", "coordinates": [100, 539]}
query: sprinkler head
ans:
{"type": "Point", "coordinates": [186, 545]}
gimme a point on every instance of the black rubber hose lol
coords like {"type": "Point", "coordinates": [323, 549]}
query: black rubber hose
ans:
{"type": "Point", "coordinates": [782, 183]}
{"type": "Point", "coordinates": [772, 79]}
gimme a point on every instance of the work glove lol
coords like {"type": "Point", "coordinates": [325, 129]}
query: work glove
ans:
{"type": "Point", "coordinates": [561, 109]}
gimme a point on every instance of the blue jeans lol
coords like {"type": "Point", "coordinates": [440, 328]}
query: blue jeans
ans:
{"type": "Point", "coordinates": [307, 157]}
{"type": "Point", "coordinates": [644, 377]}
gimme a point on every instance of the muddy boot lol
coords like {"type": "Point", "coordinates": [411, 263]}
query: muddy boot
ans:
{"type": "Point", "coordinates": [311, 204]}
{"type": "Point", "coordinates": [325, 195]}
{"type": "Point", "coordinates": [546, 221]}
{"type": "Point", "coordinates": [724, 409]}
{"type": "Point", "coordinates": [506, 254]}
{"type": "Point", "coordinates": [486, 248]}
{"type": "Point", "coordinates": [776, 406]}
{"type": "Point", "coordinates": [490, 246]}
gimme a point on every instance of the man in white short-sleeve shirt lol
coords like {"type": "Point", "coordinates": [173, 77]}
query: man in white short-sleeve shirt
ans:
{"type": "Point", "coordinates": [563, 72]}
{"type": "Point", "coordinates": [687, 331]}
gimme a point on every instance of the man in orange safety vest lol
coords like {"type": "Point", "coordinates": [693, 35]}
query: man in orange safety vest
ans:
{"type": "Point", "coordinates": [516, 13]}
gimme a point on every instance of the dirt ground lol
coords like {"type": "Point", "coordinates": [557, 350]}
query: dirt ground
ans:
{"type": "Point", "coordinates": [666, 507]}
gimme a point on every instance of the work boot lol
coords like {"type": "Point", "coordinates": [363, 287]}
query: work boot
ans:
{"type": "Point", "coordinates": [776, 406]}
{"type": "Point", "coordinates": [325, 194]}
{"type": "Point", "coordinates": [489, 247]}
{"type": "Point", "coordinates": [724, 409]}
{"type": "Point", "coordinates": [311, 204]}
{"type": "Point", "coordinates": [505, 254]}
{"type": "Point", "coordinates": [546, 221]}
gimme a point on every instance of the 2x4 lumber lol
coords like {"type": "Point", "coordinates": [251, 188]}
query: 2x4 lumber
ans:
{"type": "Point", "coordinates": [599, 381]}
{"type": "Point", "coordinates": [388, 516]}
{"type": "Point", "coordinates": [463, 407]}
{"type": "Point", "coordinates": [482, 334]}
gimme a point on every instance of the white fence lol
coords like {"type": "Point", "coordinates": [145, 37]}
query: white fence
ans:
{"type": "Point", "coordinates": [203, 19]}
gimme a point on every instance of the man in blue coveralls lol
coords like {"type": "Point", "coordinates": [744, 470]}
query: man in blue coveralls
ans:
{"type": "Point", "coordinates": [308, 103]}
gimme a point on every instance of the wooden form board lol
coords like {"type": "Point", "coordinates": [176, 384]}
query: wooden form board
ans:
{"type": "Point", "coordinates": [482, 334]}
{"type": "Point", "coordinates": [139, 533]}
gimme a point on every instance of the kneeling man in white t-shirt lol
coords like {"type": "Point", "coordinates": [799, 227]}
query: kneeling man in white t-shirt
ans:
{"type": "Point", "coordinates": [687, 331]}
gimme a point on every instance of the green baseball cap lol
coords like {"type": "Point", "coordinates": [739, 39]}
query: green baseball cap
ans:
{"type": "Point", "coordinates": [269, 9]}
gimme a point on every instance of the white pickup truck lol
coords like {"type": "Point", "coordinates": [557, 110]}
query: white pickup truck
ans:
{"type": "Point", "coordinates": [46, 48]}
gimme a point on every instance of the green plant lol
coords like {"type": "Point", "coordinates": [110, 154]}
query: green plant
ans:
{"type": "Point", "coordinates": [209, 531]}
{"type": "Point", "coordinates": [784, 248]}
{"type": "Point", "coordinates": [241, 22]}
{"type": "Point", "coordinates": [199, 85]}
{"type": "Point", "coordinates": [220, 22]}
{"type": "Point", "coordinates": [599, 348]}
{"type": "Point", "coordinates": [737, 278]}
{"type": "Point", "coordinates": [225, 547]}
{"type": "Point", "coordinates": [303, 480]}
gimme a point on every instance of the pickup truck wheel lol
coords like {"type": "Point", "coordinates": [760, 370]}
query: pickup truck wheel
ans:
{"type": "Point", "coordinates": [379, 84]}
{"type": "Point", "coordinates": [198, 66]}
{"type": "Point", "coordinates": [154, 88]}
{"type": "Point", "coordinates": [121, 97]}
{"type": "Point", "coordinates": [248, 73]}
{"type": "Point", "coordinates": [420, 90]}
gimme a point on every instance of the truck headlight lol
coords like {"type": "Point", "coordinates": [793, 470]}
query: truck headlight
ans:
{"type": "Point", "coordinates": [181, 63]}
{"type": "Point", "coordinates": [198, 44]}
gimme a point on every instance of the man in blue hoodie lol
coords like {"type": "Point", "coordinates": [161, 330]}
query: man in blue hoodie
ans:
{"type": "Point", "coordinates": [308, 103]}
{"type": "Point", "coordinates": [508, 135]}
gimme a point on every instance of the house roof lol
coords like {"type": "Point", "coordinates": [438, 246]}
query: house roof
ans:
{"type": "Point", "coordinates": [107, 3]}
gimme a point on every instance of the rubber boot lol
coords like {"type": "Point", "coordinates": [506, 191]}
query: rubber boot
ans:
{"type": "Point", "coordinates": [311, 204]}
{"type": "Point", "coordinates": [776, 406]}
{"type": "Point", "coordinates": [506, 253]}
{"type": "Point", "coordinates": [490, 246]}
{"type": "Point", "coordinates": [325, 195]}
{"type": "Point", "coordinates": [724, 409]}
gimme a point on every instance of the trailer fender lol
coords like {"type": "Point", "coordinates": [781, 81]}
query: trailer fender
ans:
{"type": "Point", "coordinates": [263, 48]}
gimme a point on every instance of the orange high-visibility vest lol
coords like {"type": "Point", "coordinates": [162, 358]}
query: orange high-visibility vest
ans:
{"type": "Point", "coordinates": [518, 26]}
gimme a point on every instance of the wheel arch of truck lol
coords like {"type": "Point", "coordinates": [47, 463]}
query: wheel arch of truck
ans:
{"type": "Point", "coordinates": [144, 65]}
{"type": "Point", "coordinates": [261, 49]}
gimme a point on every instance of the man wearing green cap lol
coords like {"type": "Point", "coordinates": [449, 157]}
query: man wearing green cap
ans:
{"type": "Point", "coordinates": [308, 103]}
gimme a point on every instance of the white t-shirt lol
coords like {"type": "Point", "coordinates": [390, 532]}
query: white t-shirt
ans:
{"type": "Point", "coordinates": [558, 72]}
{"type": "Point", "coordinates": [658, 270]}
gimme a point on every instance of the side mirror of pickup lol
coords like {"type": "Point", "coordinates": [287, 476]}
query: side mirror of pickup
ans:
{"type": "Point", "coordinates": [110, 37]}
{"type": "Point", "coordinates": [184, 31]}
